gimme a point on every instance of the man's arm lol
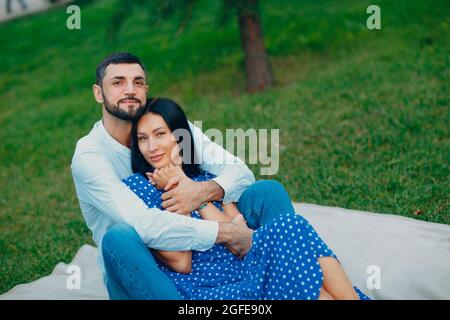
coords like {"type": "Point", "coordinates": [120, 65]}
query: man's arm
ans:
{"type": "Point", "coordinates": [97, 184]}
{"type": "Point", "coordinates": [233, 175]}
{"type": "Point", "coordinates": [233, 233]}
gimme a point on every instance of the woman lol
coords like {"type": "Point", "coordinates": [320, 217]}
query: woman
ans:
{"type": "Point", "coordinates": [288, 260]}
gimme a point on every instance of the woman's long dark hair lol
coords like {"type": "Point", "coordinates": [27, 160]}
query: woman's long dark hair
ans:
{"type": "Point", "coordinates": [175, 118]}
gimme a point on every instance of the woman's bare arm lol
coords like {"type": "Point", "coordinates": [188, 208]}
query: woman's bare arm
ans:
{"type": "Point", "coordinates": [178, 261]}
{"type": "Point", "coordinates": [231, 210]}
{"type": "Point", "coordinates": [181, 261]}
{"type": "Point", "coordinates": [210, 212]}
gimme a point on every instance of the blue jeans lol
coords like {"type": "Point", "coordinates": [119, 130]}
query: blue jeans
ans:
{"type": "Point", "coordinates": [131, 269]}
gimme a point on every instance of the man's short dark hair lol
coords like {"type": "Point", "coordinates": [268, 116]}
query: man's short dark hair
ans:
{"type": "Point", "coordinates": [116, 58]}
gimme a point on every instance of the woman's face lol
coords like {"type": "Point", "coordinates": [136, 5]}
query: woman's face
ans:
{"type": "Point", "coordinates": [155, 140]}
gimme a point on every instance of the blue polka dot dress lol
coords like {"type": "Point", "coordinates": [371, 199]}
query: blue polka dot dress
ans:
{"type": "Point", "coordinates": [282, 263]}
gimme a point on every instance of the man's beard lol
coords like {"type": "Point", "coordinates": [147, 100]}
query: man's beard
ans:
{"type": "Point", "coordinates": [114, 109]}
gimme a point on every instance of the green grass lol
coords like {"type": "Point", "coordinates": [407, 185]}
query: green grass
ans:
{"type": "Point", "coordinates": [363, 115]}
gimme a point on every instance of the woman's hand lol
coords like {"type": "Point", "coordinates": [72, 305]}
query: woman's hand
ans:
{"type": "Point", "coordinates": [160, 177]}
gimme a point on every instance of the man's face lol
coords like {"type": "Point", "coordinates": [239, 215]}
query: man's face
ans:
{"type": "Point", "coordinates": [123, 90]}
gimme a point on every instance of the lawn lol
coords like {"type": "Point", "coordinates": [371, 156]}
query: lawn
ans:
{"type": "Point", "coordinates": [363, 115]}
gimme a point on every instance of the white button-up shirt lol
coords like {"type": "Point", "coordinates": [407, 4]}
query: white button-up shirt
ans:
{"type": "Point", "coordinates": [100, 163]}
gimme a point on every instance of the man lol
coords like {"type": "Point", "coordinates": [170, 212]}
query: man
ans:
{"type": "Point", "coordinates": [122, 226]}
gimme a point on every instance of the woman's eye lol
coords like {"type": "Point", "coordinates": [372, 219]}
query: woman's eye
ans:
{"type": "Point", "coordinates": [160, 134]}
{"type": "Point", "coordinates": [141, 139]}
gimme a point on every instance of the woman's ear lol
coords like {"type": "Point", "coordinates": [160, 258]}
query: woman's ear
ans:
{"type": "Point", "coordinates": [97, 90]}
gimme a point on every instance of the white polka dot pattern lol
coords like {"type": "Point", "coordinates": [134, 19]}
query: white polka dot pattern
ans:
{"type": "Point", "coordinates": [282, 263]}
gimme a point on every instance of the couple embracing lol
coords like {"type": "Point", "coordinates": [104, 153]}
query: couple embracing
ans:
{"type": "Point", "coordinates": [171, 227]}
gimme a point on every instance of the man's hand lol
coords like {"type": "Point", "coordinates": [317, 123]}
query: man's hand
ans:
{"type": "Point", "coordinates": [236, 236]}
{"type": "Point", "coordinates": [184, 195]}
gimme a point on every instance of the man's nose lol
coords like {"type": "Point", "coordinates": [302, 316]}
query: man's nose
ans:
{"type": "Point", "coordinates": [130, 89]}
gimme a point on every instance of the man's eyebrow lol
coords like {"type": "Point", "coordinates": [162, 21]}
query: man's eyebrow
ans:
{"type": "Point", "coordinates": [122, 77]}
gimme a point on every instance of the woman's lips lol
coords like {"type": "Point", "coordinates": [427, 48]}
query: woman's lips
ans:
{"type": "Point", "coordinates": [156, 158]}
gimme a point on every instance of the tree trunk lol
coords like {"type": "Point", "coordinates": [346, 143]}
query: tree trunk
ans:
{"type": "Point", "coordinates": [257, 65]}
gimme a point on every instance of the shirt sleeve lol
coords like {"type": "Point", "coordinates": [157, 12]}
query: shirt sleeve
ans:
{"type": "Point", "coordinates": [232, 174]}
{"type": "Point", "coordinates": [97, 184]}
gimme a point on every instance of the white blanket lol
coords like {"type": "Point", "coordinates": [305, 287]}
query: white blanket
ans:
{"type": "Point", "coordinates": [386, 256]}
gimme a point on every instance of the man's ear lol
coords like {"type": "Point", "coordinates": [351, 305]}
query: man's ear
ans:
{"type": "Point", "coordinates": [97, 93]}
{"type": "Point", "coordinates": [146, 88]}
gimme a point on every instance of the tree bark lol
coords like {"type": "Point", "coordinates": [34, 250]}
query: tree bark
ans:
{"type": "Point", "coordinates": [257, 65]}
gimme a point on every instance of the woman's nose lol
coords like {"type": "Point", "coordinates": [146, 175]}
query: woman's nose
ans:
{"type": "Point", "coordinates": [152, 146]}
